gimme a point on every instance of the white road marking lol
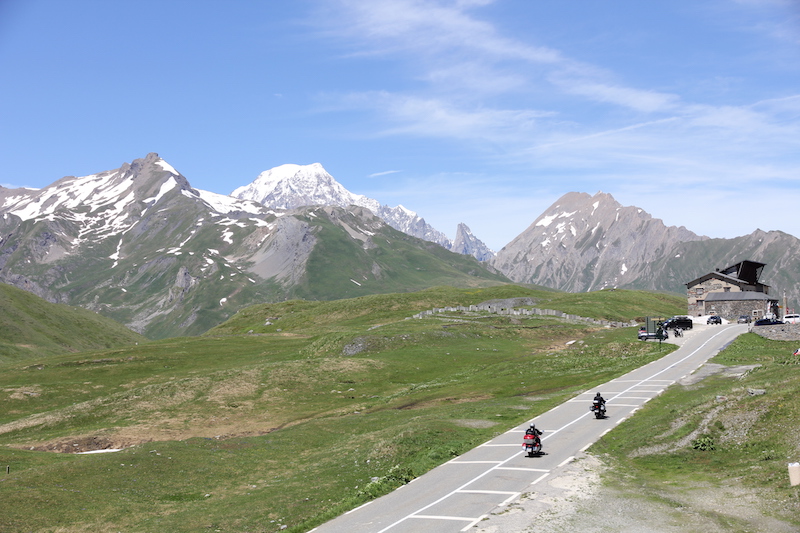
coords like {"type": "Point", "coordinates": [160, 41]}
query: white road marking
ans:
{"type": "Point", "coordinates": [442, 517]}
{"type": "Point", "coordinates": [522, 469]}
{"type": "Point", "coordinates": [565, 461]}
{"type": "Point", "coordinates": [472, 524]}
{"type": "Point", "coordinates": [538, 479]}
{"type": "Point", "coordinates": [480, 491]}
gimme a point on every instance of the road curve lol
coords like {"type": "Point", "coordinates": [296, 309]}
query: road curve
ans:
{"type": "Point", "coordinates": [459, 494]}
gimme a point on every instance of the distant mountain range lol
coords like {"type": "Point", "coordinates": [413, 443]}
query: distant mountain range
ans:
{"type": "Point", "coordinates": [139, 244]}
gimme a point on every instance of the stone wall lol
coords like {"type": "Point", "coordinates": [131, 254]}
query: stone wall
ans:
{"type": "Point", "coordinates": [504, 310]}
{"type": "Point", "coordinates": [779, 332]}
{"type": "Point", "coordinates": [732, 310]}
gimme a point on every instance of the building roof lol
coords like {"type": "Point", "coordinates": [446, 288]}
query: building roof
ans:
{"type": "Point", "coordinates": [737, 296]}
{"type": "Point", "coordinates": [742, 273]}
{"type": "Point", "coordinates": [748, 271]}
{"type": "Point", "coordinates": [718, 275]}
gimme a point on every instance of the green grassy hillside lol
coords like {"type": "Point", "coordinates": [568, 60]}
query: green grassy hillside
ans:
{"type": "Point", "coordinates": [342, 267]}
{"type": "Point", "coordinates": [224, 431]}
{"type": "Point", "coordinates": [32, 327]}
{"type": "Point", "coordinates": [366, 311]}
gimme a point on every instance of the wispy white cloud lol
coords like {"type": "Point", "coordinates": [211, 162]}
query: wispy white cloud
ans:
{"type": "Point", "coordinates": [645, 101]}
{"type": "Point", "coordinates": [428, 28]}
{"type": "Point", "coordinates": [384, 173]}
{"type": "Point", "coordinates": [464, 60]}
{"type": "Point", "coordinates": [697, 144]}
{"type": "Point", "coordinates": [408, 114]}
{"type": "Point", "coordinates": [475, 78]}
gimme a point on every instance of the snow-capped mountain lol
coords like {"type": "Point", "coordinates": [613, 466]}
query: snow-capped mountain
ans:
{"type": "Point", "coordinates": [114, 201]}
{"type": "Point", "coordinates": [290, 186]}
{"type": "Point", "coordinates": [584, 242]}
{"type": "Point", "coordinates": [140, 245]}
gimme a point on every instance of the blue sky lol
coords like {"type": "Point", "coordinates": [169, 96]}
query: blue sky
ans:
{"type": "Point", "coordinates": [476, 111]}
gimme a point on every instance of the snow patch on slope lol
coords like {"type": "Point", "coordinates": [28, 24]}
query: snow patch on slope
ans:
{"type": "Point", "coordinates": [166, 166]}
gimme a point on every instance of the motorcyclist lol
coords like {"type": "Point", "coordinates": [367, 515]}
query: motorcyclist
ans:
{"type": "Point", "coordinates": [532, 430]}
{"type": "Point", "coordinates": [598, 399]}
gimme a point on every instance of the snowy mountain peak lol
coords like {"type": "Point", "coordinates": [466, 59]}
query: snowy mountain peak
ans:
{"type": "Point", "coordinates": [307, 175]}
{"type": "Point", "coordinates": [291, 186]}
{"type": "Point", "coordinates": [166, 166]}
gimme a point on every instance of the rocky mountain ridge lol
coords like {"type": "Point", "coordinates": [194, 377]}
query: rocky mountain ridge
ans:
{"type": "Point", "coordinates": [589, 243]}
{"type": "Point", "coordinates": [585, 243]}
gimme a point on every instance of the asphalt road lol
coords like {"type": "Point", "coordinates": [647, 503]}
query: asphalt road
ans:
{"type": "Point", "coordinates": [459, 494]}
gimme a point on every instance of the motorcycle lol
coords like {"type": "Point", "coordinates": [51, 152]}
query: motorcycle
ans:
{"type": "Point", "coordinates": [599, 409]}
{"type": "Point", "coordinates": [532, 444]}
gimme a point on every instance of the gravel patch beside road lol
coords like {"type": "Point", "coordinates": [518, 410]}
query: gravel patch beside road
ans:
{"type": "Point", "coordinates": [573, 499]}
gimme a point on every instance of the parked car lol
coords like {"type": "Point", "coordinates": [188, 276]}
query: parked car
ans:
{"type": "Point", "coordinates": [714, 319]}
{"type": "Point", "coordinates": [660, 334]}
{"type": "Point", "coordinates": [683, 322]}
{"type": "Point", "coordinates": [744, 319]}
{"type": "Point", "coordinates": [767, 322]}
{"type": "Point", "coordinates": [791, 318]}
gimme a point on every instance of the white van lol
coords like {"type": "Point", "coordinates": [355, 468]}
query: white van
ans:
{"type": "Point", "coordinates": [791, 318]}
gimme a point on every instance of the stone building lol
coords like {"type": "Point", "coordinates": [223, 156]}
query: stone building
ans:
{"type": "Point", "coordinates": [732, 292]}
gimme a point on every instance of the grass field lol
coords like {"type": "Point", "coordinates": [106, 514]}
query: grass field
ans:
{"type": "Point", "coordinates": [292, 413]}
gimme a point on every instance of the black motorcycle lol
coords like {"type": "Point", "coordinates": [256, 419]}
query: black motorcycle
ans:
{"type": "Point", "coordinates": [598, 408]}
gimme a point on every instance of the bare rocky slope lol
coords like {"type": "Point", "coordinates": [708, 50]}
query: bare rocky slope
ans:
{"type": "Point", "coordinates": [584, 243]}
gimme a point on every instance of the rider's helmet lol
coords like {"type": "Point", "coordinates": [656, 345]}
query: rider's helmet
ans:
{"type": "Point", "coordinates": [533, 426]}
